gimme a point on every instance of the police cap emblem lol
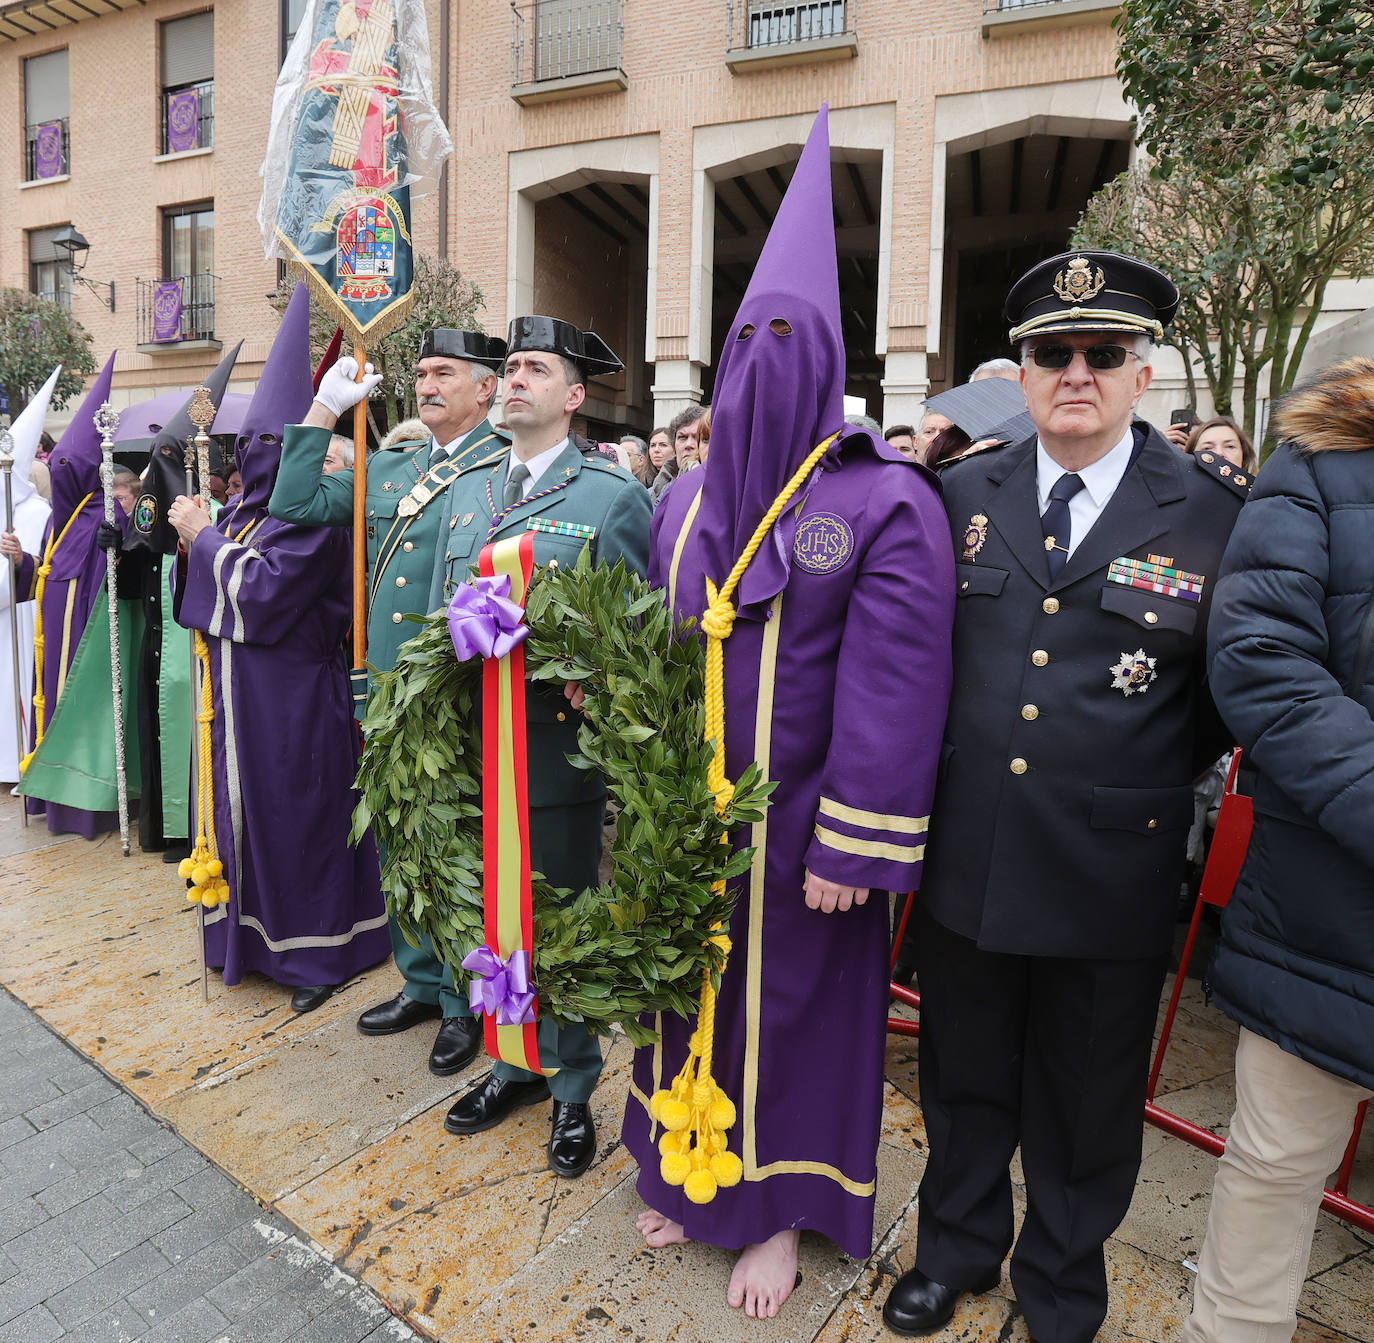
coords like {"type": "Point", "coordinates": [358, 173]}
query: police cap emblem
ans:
{"type": "Point", "coordinates": [824, 543]}
{"type": "Point", "coordinates": [1079, 281]}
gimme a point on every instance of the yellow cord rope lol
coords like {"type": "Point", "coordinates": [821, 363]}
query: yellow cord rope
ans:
{"type": "Point", "coordinates": [203, 869]}
{"type": "Point", "coordinates": [40, 702]}
{"type": "Point", "coordinates": [695, 1107]}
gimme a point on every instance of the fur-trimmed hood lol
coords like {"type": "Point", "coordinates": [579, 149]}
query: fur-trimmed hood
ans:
{"type": "Point", "coordinates": [408, 431]}
{"type": "Point", "coordinates": [1333, 411]}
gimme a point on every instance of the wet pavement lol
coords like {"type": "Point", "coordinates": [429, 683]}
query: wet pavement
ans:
{"type": "Point", "coordinates": [321, 1166]}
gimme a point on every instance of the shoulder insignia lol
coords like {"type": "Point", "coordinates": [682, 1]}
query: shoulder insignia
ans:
{"type": "Point", "coordinates": [971, 451]}
{"type": "Point", "coordinates": [1216, 466]}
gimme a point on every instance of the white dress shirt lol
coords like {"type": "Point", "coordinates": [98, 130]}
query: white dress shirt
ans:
{"type": "Point", "coordinates": [536, 465]}
{"type": "Point", "coordinates": [1099, 484]}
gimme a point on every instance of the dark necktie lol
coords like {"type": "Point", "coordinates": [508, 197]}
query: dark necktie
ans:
{"type": "Point", "coordinates": [437, 455]}
{"type": "Point", "coordinates": [515, 485]}
{"type": "Point", "coordinates": [1055, 521]}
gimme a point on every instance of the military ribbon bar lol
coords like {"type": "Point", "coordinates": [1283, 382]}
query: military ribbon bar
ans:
{"type": "Point", "coordinates": [508, 908]}
{"type": "Point", "coordinates": [1150, 575]}
{"type": "Point", "coordinates": [580, 531]}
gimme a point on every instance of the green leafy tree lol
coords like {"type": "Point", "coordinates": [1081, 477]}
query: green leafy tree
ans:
{"type": "Point", "coordinates": [36, 335]}
{"type": "Point", "coordinates": [443, 297]}
{"type": "Point", "coordinates": [1259, 119]}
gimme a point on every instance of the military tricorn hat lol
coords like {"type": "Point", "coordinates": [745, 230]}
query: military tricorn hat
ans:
{"type": "Point", "coordinates": [585, 348]}
{"type": "Point", "coordinates": [476, 347]}
{"type": "Point", "coordinates": [1091, 291]}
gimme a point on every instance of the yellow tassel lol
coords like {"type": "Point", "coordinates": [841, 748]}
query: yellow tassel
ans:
{"type": "Point", "coordinates": [696, 1108]}
{"type": "Point", "coordinates": [40, 702]}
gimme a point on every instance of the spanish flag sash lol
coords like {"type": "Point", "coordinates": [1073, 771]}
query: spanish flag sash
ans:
{"type": "Point", "coordinates": [509, 913]}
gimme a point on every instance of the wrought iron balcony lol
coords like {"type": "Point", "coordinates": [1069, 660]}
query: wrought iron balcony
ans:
{"type": "Point", "coordinates": [177, 309]}
{"type": "Point", "coordinates": [765, 33]}
{"type": "Point", "coordinates": [561, 48]}
{"type": "Point", "coordinates": [47, 150]}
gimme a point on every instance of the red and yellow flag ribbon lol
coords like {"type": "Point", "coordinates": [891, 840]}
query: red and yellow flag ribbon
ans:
{"type": "Point", "coordinates": [506, 892]}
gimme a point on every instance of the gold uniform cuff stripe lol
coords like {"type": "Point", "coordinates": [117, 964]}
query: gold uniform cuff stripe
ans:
{"type": "Point", "coordinates": [873, 820]}
{"type": "Point", "coordinates": [870, 848]}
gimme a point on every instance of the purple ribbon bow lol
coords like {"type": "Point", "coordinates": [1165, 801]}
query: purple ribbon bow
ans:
{"type": "Point", "coordinates": [500, 987]}
{"type": "Point", "coordinates": [483, 621]}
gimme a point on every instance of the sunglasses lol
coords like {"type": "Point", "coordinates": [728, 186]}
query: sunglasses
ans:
{"type": "Point", "coordinates": [1095, 356]}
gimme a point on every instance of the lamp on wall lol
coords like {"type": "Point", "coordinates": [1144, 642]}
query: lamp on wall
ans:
{"type": "Point", "coordinates": [76, 248]}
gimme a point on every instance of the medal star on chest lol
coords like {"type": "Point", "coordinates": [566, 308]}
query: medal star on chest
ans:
{"type": "Point", "coordinates": [1134, 673]}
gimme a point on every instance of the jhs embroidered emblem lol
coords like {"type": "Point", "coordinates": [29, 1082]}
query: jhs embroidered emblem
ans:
{"type": "Point", "coordinates": [1134, 673]}
{"type": "Point", "coordinates": [823, 543]}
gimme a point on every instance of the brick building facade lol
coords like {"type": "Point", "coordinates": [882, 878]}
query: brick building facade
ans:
{"type": "Point", "coordinates": [616, 163]}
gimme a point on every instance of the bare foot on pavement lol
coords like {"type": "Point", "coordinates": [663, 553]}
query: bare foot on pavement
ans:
{"type": "Point", "coordinates": [765, 1275]}
{"type": "Point", "coordinates": [658, 1231]}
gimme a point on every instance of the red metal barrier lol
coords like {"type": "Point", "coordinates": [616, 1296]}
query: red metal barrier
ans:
{"type": "Point", "coordinates": [1224, 860]}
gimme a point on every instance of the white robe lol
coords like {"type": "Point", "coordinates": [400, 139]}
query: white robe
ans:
{"type": "Point", "coordinates": [30, 518]}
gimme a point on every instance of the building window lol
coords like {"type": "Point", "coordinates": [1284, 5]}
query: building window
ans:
{"type": "Point", "coordinates": [181, 305]}
{"type": "Point", "coordinates": [771, 23]}
{"type": "Point", "coordinates": [291, 13]}
{"type": "Point", "coordinates": [188, 83]}
{"type": "Point", "coordinates": [564, 39]}
{"type": "Point", "coordinates": [50, 274]}
{"type": "Point", "coordinates": [47, 150]}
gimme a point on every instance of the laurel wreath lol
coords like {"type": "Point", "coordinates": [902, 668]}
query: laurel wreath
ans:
{"type": "Point", "coordinates": [605, 956]}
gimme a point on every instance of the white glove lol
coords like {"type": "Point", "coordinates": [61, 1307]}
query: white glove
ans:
{"type": "Point", "coordinates": [338, 392]}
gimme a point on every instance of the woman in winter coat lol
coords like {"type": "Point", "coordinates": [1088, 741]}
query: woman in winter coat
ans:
{"type": "Point", "coordinates": [1290, 633]}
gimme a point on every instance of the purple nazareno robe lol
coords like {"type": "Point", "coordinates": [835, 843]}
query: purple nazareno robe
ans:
{"type": "Point", "coordinates": [840, 696]}
{"type": "Point", "coordinates": [273, 601]}
{"type": "Point", "coordinates": [77, 569]}
{"type": "Point", "coordinates": [837, 679]}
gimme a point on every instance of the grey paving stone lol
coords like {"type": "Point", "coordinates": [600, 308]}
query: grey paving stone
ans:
{"type": "Point", "coordinates": [7, 1267]}
{"type": "Point", "coordinates": [73, 1227]}
{"type": "Point", "coordinates": [196, 1323]}
{"type": "Point", "coordinates": [142, 1184]}
{"type": "Point", "coordinates": [15, 1129]}
{"type": "Point", "coordinates": [272, 1272]}
{"type": "Point", "coordinates": [18, 1217]}
{"type": "Point", "coordinates": [158, 1144]}
{"type": "Point", "coordinates": [85, 1184]}
{"type": "Point", "coordinates": [120, 1323]}
{"type": "Point", "coordinates": [28, 1180]}
{"type": "Point", "coordinates": [358, 1315]}
{"type": "Point", "coordinates": [33, 1326]}
{"type": "Point", "coordinates": [214, 1222]}
{"type": "Point", "coordinates": [127, 1229]}
{"type": "Point", "coordinates": [103, 1286]}
{"type": "Point", "coordinates": [91, 1092]}
{"type": "Point", "coordinates": [62, 1269]}
{"type": "Point", "coordinates": [180, 1285]}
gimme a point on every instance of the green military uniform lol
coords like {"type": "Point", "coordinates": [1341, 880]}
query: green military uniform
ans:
{"type": "Point", "coordinates": [405, 521]}
{"type": "Point", "coordinates": [608, 510]}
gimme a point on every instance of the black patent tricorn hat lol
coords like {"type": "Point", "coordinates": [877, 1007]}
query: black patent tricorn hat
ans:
{"type": "Point", "coordinates": [476, 347]}
{"type": "Point", "coordinates": [1091, 291]}
{"type": "Point", "coordinates": [585, 348]}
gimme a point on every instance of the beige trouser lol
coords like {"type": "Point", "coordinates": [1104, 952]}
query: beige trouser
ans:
{"type": "Point", "coordinates": [1289, 1132]}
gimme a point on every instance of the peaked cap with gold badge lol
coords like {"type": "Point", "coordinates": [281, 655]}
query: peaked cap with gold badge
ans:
{"type": "Point", "coordinates": [1091, 291]}
{"type": "Point", "coordinates": [475, 347]}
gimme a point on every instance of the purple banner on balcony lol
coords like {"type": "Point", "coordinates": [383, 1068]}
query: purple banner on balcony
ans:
{"type": "Point", "coordinates": [167, 311]}
{"type": "Point", "coordinates": [47, 150]}
{"type": "Point", "coordinates": [183, 121]}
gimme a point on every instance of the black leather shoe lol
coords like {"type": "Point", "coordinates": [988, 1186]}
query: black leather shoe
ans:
{"type": "Point", "coordinates": [918, 1305]}
{"type": "Point", "coordinates": [455, 1046]}
{"type": "Point", "coordinates": [491, 1100]}
{"type": "Point", "coordinates": [572, 1144]}
{"type": "Point", "coordinates": [395, 1015]}
{"type": "Point", "coordinates": [307, 1000]}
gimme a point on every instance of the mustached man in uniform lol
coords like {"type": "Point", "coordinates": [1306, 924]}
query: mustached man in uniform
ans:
{"type": "Point", "coordinates": [549, 485]}
{"type": "Point", "coordinates": [1086, 557]}
{"type": "Point", "coordinates": [407, 496]}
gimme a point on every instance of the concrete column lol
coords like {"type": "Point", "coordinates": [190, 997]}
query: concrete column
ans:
{"type": "Point", "coordinates": [906, 384]}
{"type": "Point", "coordinates": [677, 384]}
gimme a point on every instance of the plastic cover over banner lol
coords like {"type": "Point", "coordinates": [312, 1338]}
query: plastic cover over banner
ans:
{"type": "Point", "coordinates": [354, 134]}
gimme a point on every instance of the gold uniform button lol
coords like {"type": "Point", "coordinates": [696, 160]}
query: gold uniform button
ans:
{"type": "Point", "coordinates": [401, 581]}
{"type": "Point", "coordinates": [1030, 712]}
{"type": "Point", "coordinates": [1152, 824]}
{"type": "Point", "coordinates": [395, 617]}
{"type": "Point", "coordinates": [562, 717]}
{"type": "Point", "coordinates": [1019, 766]}
{"type": "Point", "coordinates": [1050, 605]}
{"type": "Point", "coordinates": [1207, 457]}
{"type": "Point", "coordinates": [409, 545]}
{"type": "Point", "coordinates": [963, 587]}
{"type": "Point", "coordinates": [1040, 657]}
{"type": "Point", "coordinates": [1151, 618]}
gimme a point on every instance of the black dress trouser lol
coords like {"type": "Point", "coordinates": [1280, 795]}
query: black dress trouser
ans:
{"type": "Point", "coordinates": [1051, 1053]}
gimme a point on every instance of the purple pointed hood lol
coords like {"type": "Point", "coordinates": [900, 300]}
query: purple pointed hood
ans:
{"type": "Point", "coordinates": [75, 470]}
{"type": "Point", "coordinates": [284, 393]}
{"type": "Point", "coordinates": [779, 392]}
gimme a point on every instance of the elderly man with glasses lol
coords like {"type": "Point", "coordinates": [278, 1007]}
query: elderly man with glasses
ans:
{"type": "Point", "coordinates": [1086, 558]}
